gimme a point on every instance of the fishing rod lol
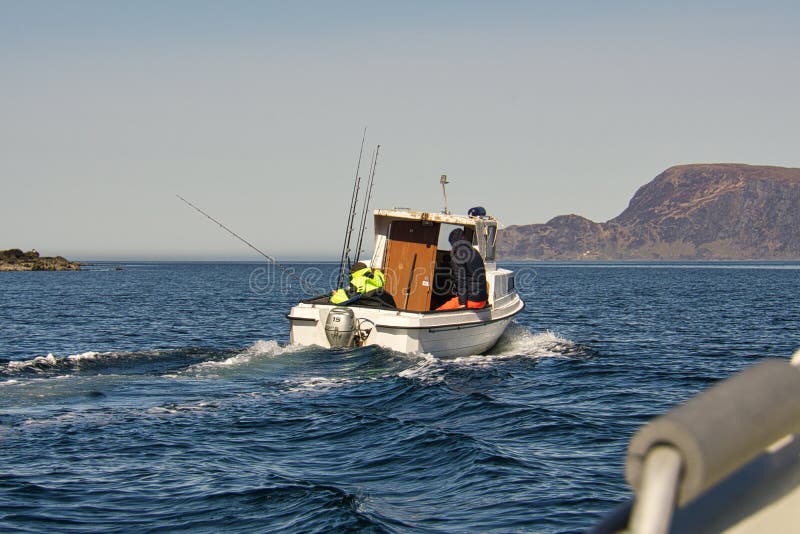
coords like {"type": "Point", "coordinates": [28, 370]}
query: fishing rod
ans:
{"type": "Point", "coordinates": [348, 229]}
{"type": "Point", "coordinates": [303, 283]}
{"type": "Point", "coordinates": [351, 219]}
{"type": "Point", "coordinates": [367, 198]}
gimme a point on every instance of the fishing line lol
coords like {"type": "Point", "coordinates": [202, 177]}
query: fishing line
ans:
{"type": "Point", "coordinates": [303, 283]}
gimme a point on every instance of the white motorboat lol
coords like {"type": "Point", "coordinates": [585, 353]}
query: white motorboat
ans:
{"type": "Point", "coordinates": [412, 250]}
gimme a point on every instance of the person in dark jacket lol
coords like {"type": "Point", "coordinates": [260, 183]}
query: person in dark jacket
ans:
{"type": "Point", "coordinates": [469, 274]}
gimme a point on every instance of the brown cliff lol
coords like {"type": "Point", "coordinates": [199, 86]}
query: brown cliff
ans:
{"type": "Point", "coordinates": [706, 211]}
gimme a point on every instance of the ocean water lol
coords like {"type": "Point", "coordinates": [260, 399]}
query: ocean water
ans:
{"type": "Point", "coordinates": [165, 397]}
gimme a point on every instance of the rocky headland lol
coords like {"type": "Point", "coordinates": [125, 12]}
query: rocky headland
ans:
{"type": "Point", "coordinates": [16, 260]}
{"type": "Point", "coordinates": [689, 212]}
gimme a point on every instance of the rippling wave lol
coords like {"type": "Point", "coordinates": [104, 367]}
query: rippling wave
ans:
{"type": "Point", "coordinates": [166, 397]}
{"type": "Point", "coordinates": [516, 342]}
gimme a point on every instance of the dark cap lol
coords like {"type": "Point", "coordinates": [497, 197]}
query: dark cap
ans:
{"type": "Point", "coordinates": [358, 266]}
{"type": "Point", "coordinates": [456, 235]}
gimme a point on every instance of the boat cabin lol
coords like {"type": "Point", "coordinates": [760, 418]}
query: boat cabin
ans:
{"type": "Point", "coordinates": [413, 251]}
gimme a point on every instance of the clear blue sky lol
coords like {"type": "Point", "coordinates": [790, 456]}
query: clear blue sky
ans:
{"type": "Point", "coordinates": [254, 111]}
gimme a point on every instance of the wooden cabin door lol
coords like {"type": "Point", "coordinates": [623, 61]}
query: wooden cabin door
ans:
{"type": "Point", "coordinates": [410, 263]}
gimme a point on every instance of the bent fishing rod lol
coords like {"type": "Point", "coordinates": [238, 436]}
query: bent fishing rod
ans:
{"type": "Point", "coordinates": [303, 283]}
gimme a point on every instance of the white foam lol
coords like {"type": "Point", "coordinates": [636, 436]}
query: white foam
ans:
{"type": "Point", "coordinates": [258, 350]}
{"type": "Point", "coordinates": [91, 355]}
{"type": "Point", "coordinates": [519, 341]}
{"type": "Point", "coordinates": [264, 347]}
{"type": "Point", "coordinates": [69, 418]}
{"type": "Point", "coordinates": [50, 360]}
{"type": "Point", "coordinates": [428, 367]}
{"type": "Point", "coordinates": [318, 383]}
{"type": "Point", "coordinates": [516, 342]}
{"type": "Point", "coordinates": [161, 410]}
{"type": "Point", "coordinates": [178, 408]}
{"type": "Point", "coordinates": [39, 361]}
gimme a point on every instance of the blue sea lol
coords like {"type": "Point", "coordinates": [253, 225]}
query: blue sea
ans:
{"type": "Point", "coordinates": [164, 397]}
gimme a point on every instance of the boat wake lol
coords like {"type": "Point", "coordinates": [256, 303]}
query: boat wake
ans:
{"type": "Point", "coordinates": [317, 368]}
{"type": "Point", "coordinates": [168, 362]}
{"type": "Point", "coordinates": [516, 343]}
{"type": "Point", "coordinates": [260, 350]}
{"type": "Point", "coordinates": [50, 364]}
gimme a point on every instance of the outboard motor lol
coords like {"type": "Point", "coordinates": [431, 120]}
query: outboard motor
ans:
{"type": "Point", "coordinates": [340, 328]}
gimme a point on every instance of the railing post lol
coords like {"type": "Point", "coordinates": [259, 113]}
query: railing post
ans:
{"type": "Point", "coordinates": [655, 500]}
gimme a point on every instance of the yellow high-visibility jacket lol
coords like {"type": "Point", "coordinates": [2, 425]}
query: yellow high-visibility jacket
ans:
{"type": "Point", "coordinates": [361, 281]}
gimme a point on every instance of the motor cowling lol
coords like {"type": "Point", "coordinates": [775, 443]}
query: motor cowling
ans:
{"type": "Point", "coordinates": [340, 328]}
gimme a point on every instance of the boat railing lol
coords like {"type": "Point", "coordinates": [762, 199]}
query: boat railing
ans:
{"type": "Point", "coordinates": [727, 459]}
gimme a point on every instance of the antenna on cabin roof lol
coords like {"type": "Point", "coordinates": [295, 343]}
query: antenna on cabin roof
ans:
{"type": "Point", "coordinates": [444, 182]}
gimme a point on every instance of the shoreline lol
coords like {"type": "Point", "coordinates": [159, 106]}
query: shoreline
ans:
{"type": "Point", "coordinates": [15, 260]}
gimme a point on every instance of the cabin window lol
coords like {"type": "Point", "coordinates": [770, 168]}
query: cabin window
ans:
{"type": "Point", "coordinates": [380, 252]}
{"type": "Point", "coordinates": [491, 241]}
{"type": "Point", "coordinates": [486, 236]}
{"type": "Point", "coordinates": [444, 235]}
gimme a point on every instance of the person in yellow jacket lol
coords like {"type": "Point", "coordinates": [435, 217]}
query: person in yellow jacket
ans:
{"type": "Point", "coordinates": [363, 280]}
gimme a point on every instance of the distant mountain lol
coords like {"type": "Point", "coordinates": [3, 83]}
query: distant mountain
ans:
{"type": "Point", "coordinates": [708, 211]}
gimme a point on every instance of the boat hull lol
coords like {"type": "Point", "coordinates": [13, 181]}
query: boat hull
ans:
{"type": "Point", "coordinates": [443, 334]}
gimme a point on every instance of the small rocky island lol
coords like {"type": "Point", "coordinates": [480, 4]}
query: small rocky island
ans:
{"type": "Point", "coordinates": [16, 260]}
